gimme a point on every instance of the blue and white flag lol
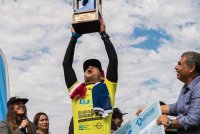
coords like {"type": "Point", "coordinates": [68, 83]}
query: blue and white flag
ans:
{"type": "Point", "coordinates": [4, 86]}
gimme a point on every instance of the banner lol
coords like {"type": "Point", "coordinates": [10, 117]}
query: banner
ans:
{"type": "Point", "coordinates": [4, 86]}
{"type": "Point", "coordinates": [145, 123]}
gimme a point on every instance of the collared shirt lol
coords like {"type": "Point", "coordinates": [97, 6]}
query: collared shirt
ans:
{"type": "Point", "coordinates": [187, 108]}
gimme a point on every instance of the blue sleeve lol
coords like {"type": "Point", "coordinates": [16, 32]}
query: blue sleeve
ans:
{"type": "Point", "coordinates": [192, 118]}
{"type": "Point", "coordinates": [173, 109]}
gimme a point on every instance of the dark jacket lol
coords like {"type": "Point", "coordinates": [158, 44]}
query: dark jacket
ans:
{"type": "Point", "coordinates": [113, 126]}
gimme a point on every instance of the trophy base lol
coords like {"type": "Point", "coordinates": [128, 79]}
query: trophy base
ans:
{"type": "Point", "coordinates": [87, 27]}
{"type": "Point", "coordinates": [86, 22]}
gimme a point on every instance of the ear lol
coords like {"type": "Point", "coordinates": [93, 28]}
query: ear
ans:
{"type": "Point", "coordinates": [102, 78]}
{"type": "Point", "coordinates": [192, 68]}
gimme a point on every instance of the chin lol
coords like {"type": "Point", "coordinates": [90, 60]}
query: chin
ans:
{"type": "Point", "coordinates": [21, 114]}
{"type": "Point", "coordinates": [88, 79]}
{"type": "Point", "coordinates": [45, 128]}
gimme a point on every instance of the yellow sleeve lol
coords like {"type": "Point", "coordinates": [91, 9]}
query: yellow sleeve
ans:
{"type": "Point", "coordinates": [112, 90]}
{"type": "Point", "coordinates": [73, 87]}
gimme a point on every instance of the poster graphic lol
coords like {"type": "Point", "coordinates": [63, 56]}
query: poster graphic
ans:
{"type": "Point", "coordinates": [145, 123]}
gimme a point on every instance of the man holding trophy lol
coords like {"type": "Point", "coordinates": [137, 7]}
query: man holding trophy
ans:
{"type": "Point", "coordinates": [92, 100]}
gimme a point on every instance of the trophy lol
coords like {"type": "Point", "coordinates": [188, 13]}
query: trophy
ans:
{"type": "Point", "coordinates": [86, 15]}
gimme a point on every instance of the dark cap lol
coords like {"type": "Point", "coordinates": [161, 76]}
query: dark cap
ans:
{"type": "Point", "coordinates": [117, 113]}
{"type": "Point", "coordinates": [92, 62]}
{"type": "Point", "coordinates": [16, 98]}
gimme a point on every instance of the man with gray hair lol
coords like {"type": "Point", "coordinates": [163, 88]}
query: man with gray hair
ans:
{"type": "Point", "coordinates": [187, 107]}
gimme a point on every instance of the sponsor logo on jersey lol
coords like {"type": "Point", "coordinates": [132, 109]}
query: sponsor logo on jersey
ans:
{"type": "Point", "coordinates": [84, 102]}
{"type": "Point", "coordinates": [83, 127]}
{"type": "Point", "coordinates": [99, 125]}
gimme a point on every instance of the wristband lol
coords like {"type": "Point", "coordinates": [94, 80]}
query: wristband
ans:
{"type": "Point", "coordinates": [104, 35]}
{"type": "Point", "coordinates": [77, 35]}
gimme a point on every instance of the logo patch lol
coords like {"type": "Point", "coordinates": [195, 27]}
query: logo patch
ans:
{"type": "Point", "coordinates": [84, 102]}
{"type": "Point", "coordinates": [99, 125]}
{"type": "Point", "coordinates": [83, 127]}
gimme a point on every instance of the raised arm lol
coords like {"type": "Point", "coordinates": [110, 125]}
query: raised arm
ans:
{"type": "Point", "coordinates": [112, 70]}
{"type": "Point", "coordinates": [69, 73]}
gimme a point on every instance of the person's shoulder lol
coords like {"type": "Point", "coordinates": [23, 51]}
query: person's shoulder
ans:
{"type": "Point", "coordinates": [3, 124]}
{"type": "Point", "coordinates": [108, 82]}
{"type": "Point", "coordinates": [4, 128]}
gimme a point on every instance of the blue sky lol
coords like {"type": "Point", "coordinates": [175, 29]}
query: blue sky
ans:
{"type": "Point", "coordinates": [149, 37]}
{"type": "Point", "coordinates": [153, 40]}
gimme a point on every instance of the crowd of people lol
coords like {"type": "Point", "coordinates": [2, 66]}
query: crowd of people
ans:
{"type": "Point", "coordinates": [186, 109]}
{"type": "Point", "coordinates": [17, 121]}
{"type": "Point", "coordinates": [93, 99]}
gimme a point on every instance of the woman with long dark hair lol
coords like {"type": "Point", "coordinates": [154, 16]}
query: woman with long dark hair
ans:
{"type": "Point", "coordinates": [41, 122]}
{"type": "Point", "coordinates": [17, 121]}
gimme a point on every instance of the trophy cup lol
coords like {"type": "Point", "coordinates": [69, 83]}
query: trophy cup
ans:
{"type": "Point", "coordinates": [85, 18]}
